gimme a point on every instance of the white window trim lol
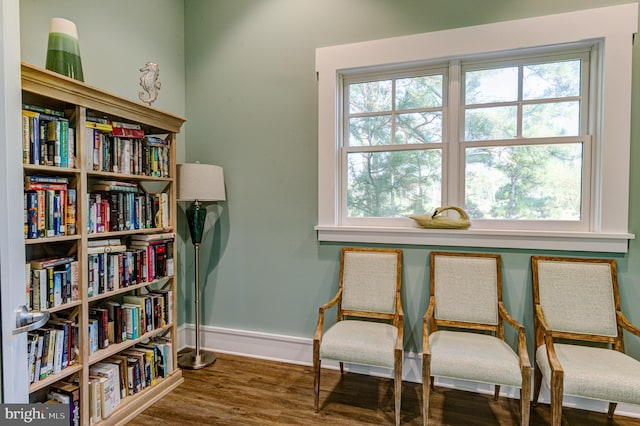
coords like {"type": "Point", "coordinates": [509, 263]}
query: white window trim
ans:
{"type": "Point", "coordinates": [614, 26]}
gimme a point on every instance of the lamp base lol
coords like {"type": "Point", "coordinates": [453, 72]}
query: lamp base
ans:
{"type": "Point", "coordinates": [190, 361]}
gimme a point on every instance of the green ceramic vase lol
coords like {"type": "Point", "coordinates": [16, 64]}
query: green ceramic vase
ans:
{"type": "Point", "coordinates": [63, 50]}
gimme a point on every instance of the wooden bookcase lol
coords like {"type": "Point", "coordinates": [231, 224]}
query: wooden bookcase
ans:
{"type": "Point", "coordinates": [79, 100]}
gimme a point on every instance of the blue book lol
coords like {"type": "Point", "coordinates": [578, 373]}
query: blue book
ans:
{"type": "Point", "coordinates": [58, 278]}
{"type": "Point", "coordinates": [93, 336]}
{"type": "Point", "coordinates": [57, 222]}
{"type": "Point", "coordinates": [32, 214]}
{"type": "Point", "coordinates": [35, 140]}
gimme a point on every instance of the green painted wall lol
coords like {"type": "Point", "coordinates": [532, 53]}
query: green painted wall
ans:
{"type": "Point", "coordinates": [251, 102]}
{"type": "Point", "coordinates": [243, 72]}
{"type": "Point", "coordinates": [116, 39]}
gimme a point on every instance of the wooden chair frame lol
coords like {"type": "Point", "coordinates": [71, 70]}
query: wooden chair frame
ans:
{"type": "Point", "coordinates": [545, 335]}
{"type": "Point", "coordinates": [431, 324]}
{"type": "Point", "coordinates": [396, 318]}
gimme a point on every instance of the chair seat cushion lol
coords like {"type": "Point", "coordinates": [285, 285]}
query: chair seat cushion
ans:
{"type": "Point", "coordinates": [360, 342]}
{"type": "Point", "coordinates": [475, 357]}
{"type": "Point", "coordinates": [595, 373]}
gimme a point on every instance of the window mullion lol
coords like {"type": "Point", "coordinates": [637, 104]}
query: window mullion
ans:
{"type": "Point", "coordinates": [452, 153]}
{"type": "Point", "coordinates": [520, 101]}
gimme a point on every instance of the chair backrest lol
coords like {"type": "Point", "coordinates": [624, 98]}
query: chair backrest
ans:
{"type": "Point", "coordinates": [466, 287]}
{"type": "Point", "coordinates": [370, 280]}
{"type": "Point", "coordinates": [577, 295]}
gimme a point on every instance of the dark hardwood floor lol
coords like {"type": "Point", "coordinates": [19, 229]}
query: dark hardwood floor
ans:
{"type": "Point", "coordinates": [246, 391]}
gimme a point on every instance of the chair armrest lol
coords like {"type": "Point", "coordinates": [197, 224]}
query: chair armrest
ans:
{"type": "Point", "coordinates": [548, 340]}
{"type": "Point", "coordinates": [398, 322]}
{"type": "Point", "coordinates": [400, 339]}
{"type": "Point", "coordinates": [624, 322]}
{"type": "Point", "coordinates": [522, 339]}
{"type": "Point", "coordinates": [318, 334]}
{"type": "Point", "coordinates": [425, 327]}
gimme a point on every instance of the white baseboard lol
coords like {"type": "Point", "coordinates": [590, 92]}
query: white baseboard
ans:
{"type": "Point", "coordinates": [299, 350]}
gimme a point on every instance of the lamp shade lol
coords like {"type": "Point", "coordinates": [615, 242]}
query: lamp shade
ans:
{"type": "Point", "coordinates": [202, 182]}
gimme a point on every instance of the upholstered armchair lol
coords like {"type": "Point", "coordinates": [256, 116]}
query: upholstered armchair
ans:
{"type": "Point", "coordinates": [577, 300]}
{"type": "Point", "coordinates": [369, 324]}
{"type": "Point", "coordinates": [466, 300]}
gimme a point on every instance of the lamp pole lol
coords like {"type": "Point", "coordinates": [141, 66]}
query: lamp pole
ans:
{"type": "Point", "coordinates": [196, 216]}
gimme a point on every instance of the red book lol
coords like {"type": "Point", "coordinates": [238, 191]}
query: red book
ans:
{"type": "Point", "coordinates": [122, 132]}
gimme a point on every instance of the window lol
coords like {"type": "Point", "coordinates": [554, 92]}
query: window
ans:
{"type": "Point", "coordinates": [525, 143]}
{"type": "Point", "coordinates": [392, 144]}
{"type": "Point", "coordinates": [529, 133]}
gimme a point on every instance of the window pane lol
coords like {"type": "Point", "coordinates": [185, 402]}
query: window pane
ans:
{"type": "Point", "coordinates": [551, 119]}
{"type": "Point", "coordinates": [552, 80]}
{"type": "Point", "coordinates": [419, 92]}
{"type": "Point", "coordinates": [393, 184]}
{"type": "Point", "coordinates": [374, 96]}
{"type": "Point", "coordinates": [420, 127]}
{"type": "Point", "coordinates": [493, 85]}
{"type": "Point", "coordinates": [534, 182]}
{"type": "Point", "coordinates": [367, 131]}
{"type": "Point", "coordinates": [490, 123]}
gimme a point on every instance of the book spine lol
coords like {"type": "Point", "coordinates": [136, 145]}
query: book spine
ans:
{"type": "Point", "coordinates": [56, 214]}
{"type": "Point", "coordinates": [71, 154]}
{"type": "Point", "coordinates": [26, 139]}
{"type": "Point", "coordinates": [32, 214]}
{"type": "Point", "coordinates": [89, 141]}
{"type": "Point", "coordinates": [34, 136]}
{"type": "Point", "coordinates": [70, 217]}
{"type": "Point", "coordinates": [49, 213]}
{"type": "Point", "coordinates": [28, 286]}
{"type": "Point", "coordinates": [64, 143]}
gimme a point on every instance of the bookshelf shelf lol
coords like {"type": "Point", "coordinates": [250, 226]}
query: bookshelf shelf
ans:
{"type": "Point", "coordinates": [123, 176]}
{"type": "Point", "coordinates": [113, 234]}
{"type": "Point", "coordinates": [36, 168]}
{"type": "Point", "coordinates": [49, 380]}
{"type": "Point", "coordinates": [115, 292]}
{"type": "Point", "coordinates": [64, 306]}
{"type": "Point", "coordinates": [50, 240]}
{"type": "Point", "coordinates": [133, 137]}
{"type": "Point", "coordinates": [114, 348]}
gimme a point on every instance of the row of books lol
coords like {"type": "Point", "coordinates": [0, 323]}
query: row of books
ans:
{"type": "Point", "coordinates": [49, 207]}
{"type": "Point", "coordinates": [125, 210]}
{"type": "Point", "coordinates": [52, 348]}
{"type": "Point", "coordinates": [47, 138]}
{"type": "Point", "coordinates": [126, 150]}
{"type": "Point", "coordinates": [116, 322]}
{"type": "Point", "coordinates": [51, 282]}
{"type": "Point", "coordinates": [126, 374]}
{"type": "Point", "coordinates": [69, 394]}
{"type": "Point", "coordinates": [113, 265]}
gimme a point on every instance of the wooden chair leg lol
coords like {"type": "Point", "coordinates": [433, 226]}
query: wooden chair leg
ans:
{"type": "Point", "coordinates": [397, 384]}
{"type": "Point", "coordinates": [316, 373]}
{"type": "Point", "coordinates": [316, 384]}
{"type": "Point", "coordinates": [556, 391]}
{"type": "Point", "coordinates": [341, 368]}
{"type": "Point", "coordinates": [525, 397]}
{"type": "Point", "coordinates": [537, 382]}
{"type": "Point", "coordinates": [426, 387]}
{"type": "Point", "coordinates": [431, 382]}
{"type": "Point", "coordinates": [496, 392]}
{"type": "Point", "coordinates": [612, 408]}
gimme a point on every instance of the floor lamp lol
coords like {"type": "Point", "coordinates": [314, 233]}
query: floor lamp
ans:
{"type": "Point", "coordinates": [198, 183]}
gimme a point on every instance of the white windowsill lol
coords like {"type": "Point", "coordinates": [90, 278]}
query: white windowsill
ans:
{"type": "Point", "coordinates": [489, 238]}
